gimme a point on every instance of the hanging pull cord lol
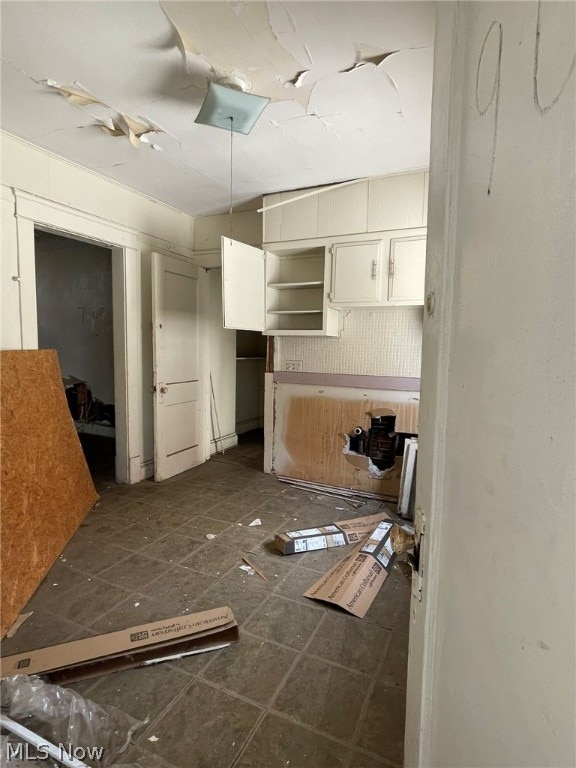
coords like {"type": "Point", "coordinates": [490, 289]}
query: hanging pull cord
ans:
{"type": "Point", "coordinates": [231, 173]}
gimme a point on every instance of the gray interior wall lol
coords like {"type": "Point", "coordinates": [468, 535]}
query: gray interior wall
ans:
{"type": "Point", "coordinates": [250, 367]}
{"type": "Point", "coordinates": [74, 292]}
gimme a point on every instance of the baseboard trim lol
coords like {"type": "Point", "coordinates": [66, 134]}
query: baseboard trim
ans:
{"type": "Point", "coordinates": [147, 469]}
{"type": "Point", "coordinates": [223, 443]}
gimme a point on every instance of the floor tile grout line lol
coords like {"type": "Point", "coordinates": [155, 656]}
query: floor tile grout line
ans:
{"type": "Point", "coordinates": [370, 691]}
{"type": "Point", "coordinates": [57, 597]}
{"type": "Point", "coordinates": [244, 622]}
{"type": "Point", "coordinates": [316, 731]}
{"type": "Point", "coordinates": [279, 687]}
{"type": "Point", "coordinates": [296, 661]}
{"type": "Point", "coordinates": [230, 692]}
{"type": "Point", "coordinates": [142, 592]}
{"type": "Point", "coordinates": [153, 722]}
{"type": "Point", "coordinates": [367, 753]}
{"type": "Point", "coordinates": [314, 656]}
{"type": "Point", "coordinates": [74, 589]}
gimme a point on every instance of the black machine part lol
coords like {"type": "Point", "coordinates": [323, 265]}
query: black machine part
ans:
{"type": "Point", "coordinates": [379, 442]}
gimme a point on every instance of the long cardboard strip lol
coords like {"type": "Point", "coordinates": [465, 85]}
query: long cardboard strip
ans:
{"type": "Point", "coordinates": [328, 535]}
{"type": "Point", "coordinates": [131, 647]}
{"type": "Point", "coordinates": [354, 581]}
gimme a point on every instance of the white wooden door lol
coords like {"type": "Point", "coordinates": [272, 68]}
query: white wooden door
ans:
{"type": "Point", "coordinates": [179, 378]}
{"type": "Point", "coordinates": [357, 272]}
{"type": "Point", "coordinates": [243, 286]}
{"type": "Point", "coordinates": [406, 270]}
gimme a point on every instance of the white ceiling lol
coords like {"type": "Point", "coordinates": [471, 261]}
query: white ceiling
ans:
{"type": "Point", "coordinates": [354, 113]}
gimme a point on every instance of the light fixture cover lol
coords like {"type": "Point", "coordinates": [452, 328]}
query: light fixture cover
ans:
{"type": "Point", "coordinates": [222, 103]}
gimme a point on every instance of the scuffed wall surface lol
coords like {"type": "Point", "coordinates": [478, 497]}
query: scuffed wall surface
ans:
{"type": "Point", "coordinates": [310, 428]}
{"type": "Point", "coordinates": [379, 341]}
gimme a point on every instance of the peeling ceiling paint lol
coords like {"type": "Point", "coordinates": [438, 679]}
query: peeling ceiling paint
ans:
{"type": "Point", "coordinates": [350, 84]}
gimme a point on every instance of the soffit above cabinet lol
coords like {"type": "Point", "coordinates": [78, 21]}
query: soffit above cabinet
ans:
{"type": "Point", "coordinates": [374, 205]}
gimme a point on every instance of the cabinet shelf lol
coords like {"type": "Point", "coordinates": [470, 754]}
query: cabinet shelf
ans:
{"type": "Point", "coordinates": [294, 311]}
{"type": "Point", "coordinates": [280, 292]}
{"type": "Point", "coordinates": [286, 286]}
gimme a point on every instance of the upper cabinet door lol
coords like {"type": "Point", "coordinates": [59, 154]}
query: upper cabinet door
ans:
{"type": "Point", "coordinates": [357, 272]}
{"type": "Point", "coordinates": [243, 286]}
{"type": "Point", "coordinates": [407, 270]}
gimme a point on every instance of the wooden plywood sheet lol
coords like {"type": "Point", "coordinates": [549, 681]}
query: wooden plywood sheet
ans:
{"type": "Point", "coordinates": [46, 488]}
{"type": "Point", "coordinates": [310, 440]}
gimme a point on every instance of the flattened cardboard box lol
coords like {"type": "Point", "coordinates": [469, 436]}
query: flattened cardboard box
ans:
{"type": "Point", "coordinates": [328, 535]}
{"type": "Point", "coordinates": [131, 647]}
{"type": "Point", "coordinates": [354, 581]}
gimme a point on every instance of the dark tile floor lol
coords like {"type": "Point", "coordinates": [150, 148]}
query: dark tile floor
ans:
{"type": "Point", "coordinates": [306, 686]}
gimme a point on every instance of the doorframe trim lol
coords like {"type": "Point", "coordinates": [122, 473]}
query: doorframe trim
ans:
{"type": "Point", "coordinates": [441, 268]}
{"type": "Point", "coordinates": [32, 211]}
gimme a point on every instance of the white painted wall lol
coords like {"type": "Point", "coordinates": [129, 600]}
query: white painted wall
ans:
{"type": "Point", "coordinates": [137, 222]}
{"type": "Point", "coordinates": [497, 437]}
{"type": "Point", "coordinates": [74, 290]}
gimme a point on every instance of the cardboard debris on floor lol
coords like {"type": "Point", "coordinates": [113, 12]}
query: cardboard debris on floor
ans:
{"type": "Point", "coordinates": [132, 647]}
{"type": "Point", "coordinates": [329, 535]}
{"type": "Point", "coordinates": [354, 582]}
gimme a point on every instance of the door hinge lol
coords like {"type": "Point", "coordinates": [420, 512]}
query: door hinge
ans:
{"type": "Point", "coordinates": [416, 558]}
{"type": "Point", "coordinates": [331, 250]}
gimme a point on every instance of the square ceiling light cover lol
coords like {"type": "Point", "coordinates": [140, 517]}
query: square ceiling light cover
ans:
{"type": "Point", "coordinates": [222, 103]}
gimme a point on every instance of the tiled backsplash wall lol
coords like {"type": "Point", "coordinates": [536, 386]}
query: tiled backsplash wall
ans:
{"type": "Point", "coordinates": [376, 341]}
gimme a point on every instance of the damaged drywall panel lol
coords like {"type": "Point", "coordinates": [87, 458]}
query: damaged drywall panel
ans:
{"type": "Point", "coordinates": [310, 434]}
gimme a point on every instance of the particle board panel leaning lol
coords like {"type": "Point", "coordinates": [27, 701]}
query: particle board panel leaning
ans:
{"type": "Point", "coordinates": [46, 487]}
{"type": "Point", "coordinates": [309, 436]}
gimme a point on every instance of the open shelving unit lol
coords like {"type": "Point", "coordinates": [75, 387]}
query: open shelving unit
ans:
{"type": "Point", "coordinates": [295, 290]}
{"type": "Point", "coordinates": [278, 291]}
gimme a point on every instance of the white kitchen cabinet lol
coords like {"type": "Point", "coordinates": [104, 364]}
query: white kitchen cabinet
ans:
{"type": "Point", "coordinates": [383, 270]}
{"type": "Point", "coordinates": [357, 269]}
{"type": "Point", "coordinates": [280, 292]}
{"type": "Point", "coordinates": [407, 266]}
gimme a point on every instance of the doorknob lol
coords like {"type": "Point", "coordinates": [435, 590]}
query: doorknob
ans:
{"type": "Point", "coordinates": [163, 390]}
